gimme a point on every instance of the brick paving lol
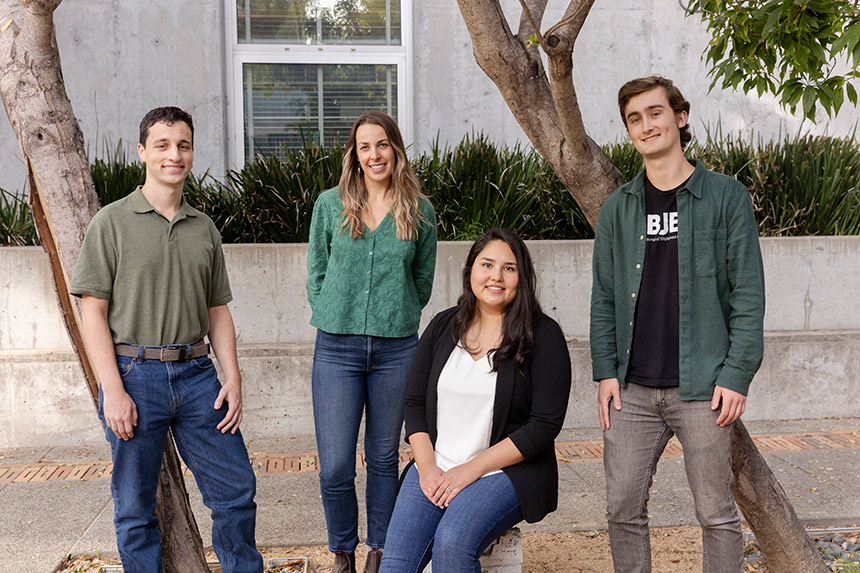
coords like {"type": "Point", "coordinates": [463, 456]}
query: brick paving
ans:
{"type": "Point", "coordinates": [306, 462]}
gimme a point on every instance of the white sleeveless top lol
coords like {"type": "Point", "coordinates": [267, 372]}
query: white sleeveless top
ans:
{"type": "Point", "coordinates": [464, 415]}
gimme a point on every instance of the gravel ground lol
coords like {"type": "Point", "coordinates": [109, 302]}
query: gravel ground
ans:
{"type": "Point", "coordinates": [674, 550]}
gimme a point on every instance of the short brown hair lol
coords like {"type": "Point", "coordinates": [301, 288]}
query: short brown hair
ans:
{"type": "Point", "coordinates": [673, 94]}
{"type": "Point", "coordinates": [168, 115]}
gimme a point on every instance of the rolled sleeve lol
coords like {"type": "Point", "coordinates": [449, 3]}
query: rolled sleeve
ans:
{"type": "Point", "coordinates": [550, 379]}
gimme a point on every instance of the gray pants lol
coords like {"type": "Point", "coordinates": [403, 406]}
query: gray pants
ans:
{"type": "Point", "coordinates": [632, 445]}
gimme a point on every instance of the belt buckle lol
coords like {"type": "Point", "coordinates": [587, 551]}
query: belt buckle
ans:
{"type": "Point", "coordinates": [161, 355]}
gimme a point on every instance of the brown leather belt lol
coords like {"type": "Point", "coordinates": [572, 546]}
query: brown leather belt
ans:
{"type": "Point", "coordinates": [164, 353]}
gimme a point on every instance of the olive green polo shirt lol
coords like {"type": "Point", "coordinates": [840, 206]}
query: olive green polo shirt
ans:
{"type": "Point", "coordinates": [161, 277]}
{"type": "Point", "coordinates": [374, 285]}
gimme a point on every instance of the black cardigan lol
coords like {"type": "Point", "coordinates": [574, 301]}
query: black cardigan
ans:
{"type": "Point", "coordinates": [528, 409]}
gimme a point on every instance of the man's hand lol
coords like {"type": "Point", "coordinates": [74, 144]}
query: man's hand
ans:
{"type": "Point", "coordinates": [120, 413]}
{"type": "Point", "coordinates": [734, 404]}
{"type": "Point", "coordinates": [609, 390]}
{"type": "Point", "coordinates": [231, 392]}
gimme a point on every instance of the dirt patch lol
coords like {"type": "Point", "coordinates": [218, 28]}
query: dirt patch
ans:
{"type": "Point", "coordinates": [674, 549]}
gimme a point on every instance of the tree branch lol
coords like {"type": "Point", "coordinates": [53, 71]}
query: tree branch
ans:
{"type": "Point", "coordinates": [530, 21]}
{"type": "Point", "coordinates": [560, 40]}
{"type": "Point", "coordinates": [535, 25]}
{"type": "Point", "coordinates": [546, 109]}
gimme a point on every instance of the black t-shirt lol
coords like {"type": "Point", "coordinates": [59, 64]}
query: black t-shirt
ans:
{"type": "Point", "coordinates": [654, 352]}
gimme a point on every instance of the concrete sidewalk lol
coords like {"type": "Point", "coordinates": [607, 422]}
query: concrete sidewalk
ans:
{"type": "Point", "coordinates": [57, 500]}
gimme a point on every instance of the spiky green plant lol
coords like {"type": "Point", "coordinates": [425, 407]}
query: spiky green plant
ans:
{"type": "Point", "coordinates": [16, 221]}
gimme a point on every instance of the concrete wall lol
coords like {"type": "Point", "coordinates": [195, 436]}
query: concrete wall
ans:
{"type": "Point", "coordinates": [122, 57]}
{"type": "Point", "coordinates": [812, 340]}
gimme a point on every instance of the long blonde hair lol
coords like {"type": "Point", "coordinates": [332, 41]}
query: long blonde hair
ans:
{"type": "Point", "coordinates": [404, 184]}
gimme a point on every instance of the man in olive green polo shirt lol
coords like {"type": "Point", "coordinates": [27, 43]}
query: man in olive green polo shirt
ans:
{"type": "Point", "coordinates": [153, 281]}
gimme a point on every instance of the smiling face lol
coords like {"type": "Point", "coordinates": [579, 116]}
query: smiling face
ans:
{"type": "Point", "coordinates": [168, 153]}
{"type": "Point", "coordinates": [494, 277]}
{"type": "Point", "coordinates": [375, 155]}
{"type": "Point", "coordinates": [654, 128]}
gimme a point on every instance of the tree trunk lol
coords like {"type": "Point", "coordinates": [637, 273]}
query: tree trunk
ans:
{"type": "Point", "coordinates": [64, 201]}
{"type": "Point", "coordinates": [546, 107]}
{"type": "Point", "coordinates": [769, 512]}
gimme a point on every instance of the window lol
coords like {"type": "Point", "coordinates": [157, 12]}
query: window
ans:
{"type": "Point", "coordinates": [303, 70]}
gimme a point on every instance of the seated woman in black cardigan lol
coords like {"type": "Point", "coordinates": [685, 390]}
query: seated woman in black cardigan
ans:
{"type": "Point", "coordinates": [486, 399]}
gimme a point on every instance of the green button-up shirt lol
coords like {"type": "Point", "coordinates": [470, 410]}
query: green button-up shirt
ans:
{"type": "Point", "coordinates": [375, 285]}
{"type": "Point", "coordinates": [720, 276]}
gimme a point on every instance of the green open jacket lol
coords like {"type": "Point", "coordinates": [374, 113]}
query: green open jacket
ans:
{"type": "Point", "coordinates": [721, 284]}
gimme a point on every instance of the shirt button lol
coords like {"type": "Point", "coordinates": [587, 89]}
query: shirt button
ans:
{"type": "Point", "coordinates": [641, 237]}
{"type": "Point", "coordinates": [368, 272]}
{"type": "Point", "coordinates": [628, 351]}
{"type": "Point", "coordinates": [631, 323]}
{"type": "Point", "coordinates": [370, 253]}
{"type": "Point", "coordinates": [633, 295]}
{"type": "Point", "coordinates": [367, 292]}
{"type": "Point", "coordinates": [638, 266]}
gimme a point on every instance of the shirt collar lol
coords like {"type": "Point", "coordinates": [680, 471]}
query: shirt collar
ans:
{"type": "Point", "coordinates": [694, 183]}
{"type": "Point", "coordinates": [141, 205]}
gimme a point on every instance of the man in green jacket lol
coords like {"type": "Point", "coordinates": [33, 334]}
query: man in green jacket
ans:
{"type": "Point", "coordinates": [677, 313]}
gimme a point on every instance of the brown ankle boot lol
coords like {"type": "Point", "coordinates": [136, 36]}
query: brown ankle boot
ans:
{"type": "Point", "coordinates": [343, 562]}
{"type": "Point", "coordinates": [374, 558]}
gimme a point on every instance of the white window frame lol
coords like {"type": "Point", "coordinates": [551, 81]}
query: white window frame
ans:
{"type": "Point", "coordinates": [240, 54]}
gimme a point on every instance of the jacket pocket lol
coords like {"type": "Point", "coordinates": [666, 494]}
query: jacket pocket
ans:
{"type": "Point", "coordinates": [709, 247]}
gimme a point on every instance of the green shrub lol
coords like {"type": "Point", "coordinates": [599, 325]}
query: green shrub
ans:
{"type": "Point", "coordinates": [16, 221]}
{"type": "Point", "coordinates": [805, 185]}
{"type": "Point", "coordinates": [477, 185]}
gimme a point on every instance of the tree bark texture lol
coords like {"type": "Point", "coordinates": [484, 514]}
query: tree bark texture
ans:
{"type": "Point", "coordinates": [545, 105]}
{"type": "Point", "coordinates": [63, 200]}
{"type": "Point", "coordinates": [767, 509]}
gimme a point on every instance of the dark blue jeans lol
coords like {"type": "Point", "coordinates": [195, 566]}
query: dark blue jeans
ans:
{"type": "Point", "coordinates": [180, 396]}
{"type": "Point", "coordinates": [454, 537]}
{"type": "Point", "coordinates": [353, 375]}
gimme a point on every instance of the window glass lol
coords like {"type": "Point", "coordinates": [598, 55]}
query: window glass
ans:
{"type": "Point", "coordinates": [368, 22]}
{"type": "Point", "coordinates": [288, 104]}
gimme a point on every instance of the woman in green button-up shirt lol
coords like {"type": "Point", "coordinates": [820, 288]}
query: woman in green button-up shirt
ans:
{"type": "Point", "coordinates": [371, 260]}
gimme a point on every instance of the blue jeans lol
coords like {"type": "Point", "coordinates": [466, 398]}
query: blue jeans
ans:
{"type": "Point", "coordinates": [454, 537]}
{"type": "Point", "coordinates": [633, 444]}
{"type": "Point", "coordinates": [354, 374]}
{"type": "Point", "coordinates": [180, 396]}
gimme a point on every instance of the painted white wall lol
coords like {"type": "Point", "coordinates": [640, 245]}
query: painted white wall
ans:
{"type": "Point", "coordinates": [123, 57]}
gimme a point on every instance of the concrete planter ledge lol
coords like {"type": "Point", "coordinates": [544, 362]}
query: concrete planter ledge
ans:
{"type": "Point", "coordinates": [812, 339]}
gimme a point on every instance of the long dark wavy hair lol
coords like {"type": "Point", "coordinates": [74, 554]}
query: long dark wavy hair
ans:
{"type": "Point", "coordinates": [521, 314]}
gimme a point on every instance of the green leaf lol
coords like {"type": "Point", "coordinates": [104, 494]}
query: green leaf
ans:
{"type": "Point", "coordinates": [852, 93]}
{"type": "Point", "coordinates": [809, 94]}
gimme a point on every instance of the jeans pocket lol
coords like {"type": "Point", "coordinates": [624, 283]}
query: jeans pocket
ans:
{"type": "Point", "coordinates": [203, 363]}
{"type": "Point", "coordinates": [125, 365]}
